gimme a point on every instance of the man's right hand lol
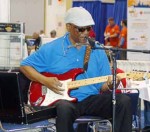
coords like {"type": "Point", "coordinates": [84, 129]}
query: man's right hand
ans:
{"type": "Point", "coordinates": [53, 84]}
{"type": "Point", "coordinates": [50, 82]}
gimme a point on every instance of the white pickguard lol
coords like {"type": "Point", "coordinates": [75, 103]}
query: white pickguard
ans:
{"type": "Point", "coordinates": [52, 96]}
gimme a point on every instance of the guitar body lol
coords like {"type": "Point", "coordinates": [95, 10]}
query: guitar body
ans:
{"type": "Point", "coordinates": [39, 95]}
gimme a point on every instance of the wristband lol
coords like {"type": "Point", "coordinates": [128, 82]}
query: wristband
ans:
{"type": "Point", "coordinates": [108, 86]}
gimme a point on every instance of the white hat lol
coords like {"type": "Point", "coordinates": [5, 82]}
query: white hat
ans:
{"type": "Point", "coordinates": [79, 17]}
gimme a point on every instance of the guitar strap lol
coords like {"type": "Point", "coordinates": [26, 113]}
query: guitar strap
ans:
{"type": "Point", "coordinates": [87, 57]}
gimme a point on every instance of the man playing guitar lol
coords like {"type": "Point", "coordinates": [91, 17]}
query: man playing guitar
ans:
{"type": "Point", "coordinates": [64, 56]}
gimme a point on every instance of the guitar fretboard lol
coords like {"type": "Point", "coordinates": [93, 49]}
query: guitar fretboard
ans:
{"type": "Point", "coordinates": [131, 75]}
{"type": "Point", "coordinates": [78, 83]}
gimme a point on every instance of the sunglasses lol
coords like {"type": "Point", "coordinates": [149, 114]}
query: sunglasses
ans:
{"type": "Point", "coordinates": [82, 29]}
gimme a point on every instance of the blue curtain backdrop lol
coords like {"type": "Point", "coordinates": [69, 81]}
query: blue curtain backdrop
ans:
{"type": "Point", "coordinates": [120, 10]}
{"type": "Point", "coordinates": [102, 11]}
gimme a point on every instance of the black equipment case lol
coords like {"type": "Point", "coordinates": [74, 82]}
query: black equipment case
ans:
{"type": "Point", "coordinates": [13, 97]}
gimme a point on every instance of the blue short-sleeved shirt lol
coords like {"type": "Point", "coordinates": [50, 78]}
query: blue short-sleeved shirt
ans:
{"type": "Point", "coordinates": [59, 56]}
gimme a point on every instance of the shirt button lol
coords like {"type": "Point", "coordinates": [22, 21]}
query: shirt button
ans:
{"type": "Point", "coordinates": [77, 59]}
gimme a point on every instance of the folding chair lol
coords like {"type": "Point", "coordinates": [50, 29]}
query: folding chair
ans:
{"type": "Point", "coordinates": [136, 107]}
{"type": "Point", "coordinates": [94, 124]}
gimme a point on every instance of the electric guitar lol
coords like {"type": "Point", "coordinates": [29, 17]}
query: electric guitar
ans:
{"type": "Point", "coordinates": [39, 95]}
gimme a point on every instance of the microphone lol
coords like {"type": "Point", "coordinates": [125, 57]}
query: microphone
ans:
{"type": "Point", "coordinates": [92, 42]}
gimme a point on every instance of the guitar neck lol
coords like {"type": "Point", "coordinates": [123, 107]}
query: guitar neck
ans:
{"type": "Point", "coordinates": [78, 83]}
{"type": "Point", "coordinates": [131, 75]}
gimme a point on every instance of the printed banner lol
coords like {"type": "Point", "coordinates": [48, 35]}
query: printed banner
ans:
{"type": "Point", "coordinates": [139, 29]}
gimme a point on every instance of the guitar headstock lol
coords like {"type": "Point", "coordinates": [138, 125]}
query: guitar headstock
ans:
{"type": "Point", "coordinates": [138, 75]}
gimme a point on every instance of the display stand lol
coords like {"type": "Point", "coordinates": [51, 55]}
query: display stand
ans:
{"type": "Point", "coordinates": [11, 45]}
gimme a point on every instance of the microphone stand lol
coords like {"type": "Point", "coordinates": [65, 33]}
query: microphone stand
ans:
{"type": "Point", "coordinates": [113, 53]}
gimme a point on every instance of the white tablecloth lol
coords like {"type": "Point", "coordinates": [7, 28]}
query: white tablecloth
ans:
{"type": "Point", "coordinates": [144, 88]}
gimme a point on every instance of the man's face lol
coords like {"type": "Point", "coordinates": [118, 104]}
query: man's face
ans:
{"type": "Point", "coordinates": [111, 22]}
{"type": "Point", "coordinates": [78, 34]}
{"type": "Point", "coordinates": [35, 35]}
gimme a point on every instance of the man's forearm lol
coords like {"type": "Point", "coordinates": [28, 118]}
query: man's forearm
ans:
{"type": "Point", "coordinates": [32, 74]}
{"type": "Point", "coordinates": [113, 35]}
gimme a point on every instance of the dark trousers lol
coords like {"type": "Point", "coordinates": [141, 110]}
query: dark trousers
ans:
{"type": "Point", "coordinates": [96, 105]}
{"type": "Point", "coordinates": [146, 113]}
